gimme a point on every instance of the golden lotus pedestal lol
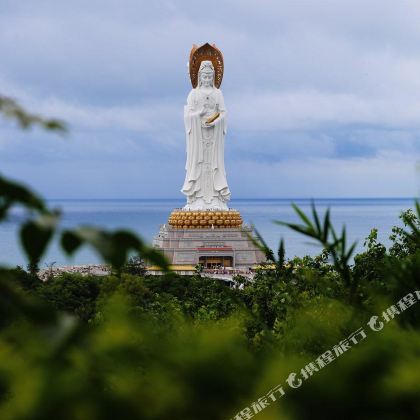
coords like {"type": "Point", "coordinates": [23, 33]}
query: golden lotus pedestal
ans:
{"type": "Point", "coordinates": [185, 219]}
{"type": "Point", "coordinates": [215, 239]}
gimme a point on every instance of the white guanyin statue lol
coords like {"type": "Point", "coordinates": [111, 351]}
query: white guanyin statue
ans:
{"type": "Point", "coordinates": [205, 183]}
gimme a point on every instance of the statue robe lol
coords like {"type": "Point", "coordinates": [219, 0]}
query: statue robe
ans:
{"type": "Point", "coordinates": [205, 157]}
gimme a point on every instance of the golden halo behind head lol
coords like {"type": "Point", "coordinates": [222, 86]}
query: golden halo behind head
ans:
{"type": "Point", "coordinates": [206, 52]}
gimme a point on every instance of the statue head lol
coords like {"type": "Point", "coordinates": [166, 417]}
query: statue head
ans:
{"type": "Point", "coordinates": [206, 74]}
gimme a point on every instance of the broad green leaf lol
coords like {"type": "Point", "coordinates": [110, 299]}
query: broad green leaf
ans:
{"type": "Point", "coordinates": [155, 256]}
{"type": "Point", "coordinates": [113, 247]}
{"type": "Point", "coordinates": [36, 234]}
{"type": "Point", "coordinates": [12, 192]}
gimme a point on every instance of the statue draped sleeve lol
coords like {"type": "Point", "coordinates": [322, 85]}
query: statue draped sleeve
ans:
{"type": "Point", "coordinates": [194, 146]}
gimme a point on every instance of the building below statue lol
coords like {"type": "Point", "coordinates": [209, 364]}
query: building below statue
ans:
{"type": "Point", "coordinates": [212, 247]}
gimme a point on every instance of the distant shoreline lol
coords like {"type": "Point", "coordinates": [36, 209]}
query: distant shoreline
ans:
{"type": "Point", "coordinates": [144, 216]}
{"type": "Point", "coordinates": [85, 269]}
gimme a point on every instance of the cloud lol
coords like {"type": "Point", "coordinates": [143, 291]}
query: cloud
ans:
{"type": "Point", "coordinates": [387, 175]}
{"type": "Point", "coordinates": [313, 109]}
{"type": "Point", "coordinates": [309, 86]}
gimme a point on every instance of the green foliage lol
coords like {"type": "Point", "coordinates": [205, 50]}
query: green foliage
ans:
{"type": "Point", "coordinates": [199, 269]}
{"type": "Point", "coordinates": [33, 268]}
{"type": "Point", "coordinates": [113, 247]}
{"type": "Point", "coordinates": [36, 234]}
{"type": "Point", "coordinates": [135, 265]}
{"type": "Point", "coordinates": [174, 347]}
{"type": "Point", "coordinates": [406, 242]}
{"type": "Point", "coordinates": [12, 193]}
{"type": "Point", "coordinates": [72, 293]}
{"type": "Point", "coordinates": [369, 265]}
{"type": "Point", "coordinates": [378, 380]}
{"type": "Point", "coordinates": [198, 297]}
{"type": "Point", "coordinates": [271, 259]}
{"type": "Point", "coordinates": [126, 340]}
{"type": "Point", "coordinates": [12, 110]}
{"type": "Point", "coordinates": [42, 224]}
{"type": "Point", "coordinates": [27, 280]}
{"type": "Point", "coordinates": [334, 244]}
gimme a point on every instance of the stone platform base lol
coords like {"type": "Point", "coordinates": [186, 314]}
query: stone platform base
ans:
{"type": "Point", "coordinates": [212, 247]}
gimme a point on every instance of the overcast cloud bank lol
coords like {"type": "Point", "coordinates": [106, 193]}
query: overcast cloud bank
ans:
{"type": "Point", "coordinates": [323, 97]}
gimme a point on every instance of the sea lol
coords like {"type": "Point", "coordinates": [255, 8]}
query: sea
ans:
{"type": "Point", "coordinates": [144, 217]}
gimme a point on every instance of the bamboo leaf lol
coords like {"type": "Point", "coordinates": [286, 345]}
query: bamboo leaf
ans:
{"type": "Point", "coordinates": [262, 245]}
{"type": "Point", "coordinates": [350, 251]}
{"type": "Point", "coordinates": [327, 224]}
{"type": "Point", "coordinates": [299, 228]}
{"type": "Point", "coordinates": [281, 253]}
{"type": "Point", "coordinates": [316, 218]}
{"type": "Point", "coordinates": [302, 215]}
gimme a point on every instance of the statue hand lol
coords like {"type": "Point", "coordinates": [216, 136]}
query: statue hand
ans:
{"type": "Point", "coordinates": [203, 110]}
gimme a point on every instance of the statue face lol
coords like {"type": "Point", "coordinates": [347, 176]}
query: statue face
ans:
{"type": "Point", "coordinates": [206, 79]}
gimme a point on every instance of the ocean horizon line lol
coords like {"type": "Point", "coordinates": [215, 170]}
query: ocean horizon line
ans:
{"type": "Point", "coordinates": [237, 199]}
{"type": "Point", "coordinates": [145, 216]}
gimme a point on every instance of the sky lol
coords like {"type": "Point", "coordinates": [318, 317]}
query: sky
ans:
{"type": "Point", "coordinates": [323, 96]}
